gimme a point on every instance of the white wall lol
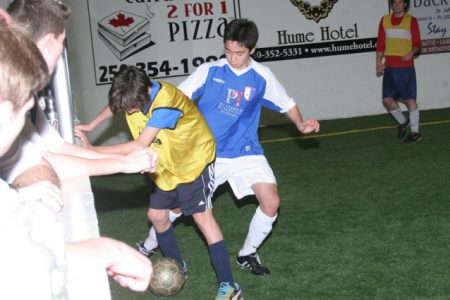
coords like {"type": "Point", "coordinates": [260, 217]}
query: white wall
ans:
{"type": "Point", "coordinates": [346, 86]}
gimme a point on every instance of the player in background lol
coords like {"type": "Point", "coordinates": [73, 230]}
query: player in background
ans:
{"type": "Point", "coordinates": [161, 117]}
{"type": "Point", "coordinates": [398, 43]}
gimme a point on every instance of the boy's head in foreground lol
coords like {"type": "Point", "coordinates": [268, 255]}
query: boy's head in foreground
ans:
{"type": "Point", "coordinates": [44, 22]}
{"type": "Point", "coordinates": [23, 71]}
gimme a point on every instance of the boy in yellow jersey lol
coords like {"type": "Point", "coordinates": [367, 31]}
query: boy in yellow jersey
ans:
{"type": "Point", "coordinates": [398, 42]}
{"type": "Point", "coordinates": [162, 117]}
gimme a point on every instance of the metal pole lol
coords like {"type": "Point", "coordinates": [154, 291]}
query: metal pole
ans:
{"type": "Point", "coordinates": [63, 97]}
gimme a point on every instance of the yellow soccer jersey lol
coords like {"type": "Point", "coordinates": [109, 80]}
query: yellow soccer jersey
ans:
{"type": "Point", "coordinates": [183, 152]}
{"type": "Point", "coordinates": [398, 37]}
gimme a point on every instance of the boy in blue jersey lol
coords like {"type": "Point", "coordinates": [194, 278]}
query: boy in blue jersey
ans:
{"type": "Point", "coordinates": [230, 94]}
{"type": "Point", "coordinates": [161, 117]}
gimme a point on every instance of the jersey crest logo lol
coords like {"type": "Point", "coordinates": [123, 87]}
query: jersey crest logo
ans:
{"type": "Point", "coordinates": [314, 12]}
{"type": "Point", "coordinates": [236, 96]}
{"type": "Point", "coordinates": [249, 93]}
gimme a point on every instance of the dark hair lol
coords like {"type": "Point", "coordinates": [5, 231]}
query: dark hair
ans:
{"type": "Point", "coordinates": [40, 17]}
{"type": "Point", "coordinates": [243, 31]}
{"type": "Point", "coordinates": [129, 89]}
{"type": "Point", "coordinates": [23, 70]}
{"type": "Point", "coordinates": [406, 2]}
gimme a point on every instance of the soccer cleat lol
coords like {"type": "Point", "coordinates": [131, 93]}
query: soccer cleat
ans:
{"type": "Point", "coordinates": [401, 130]}
{"type": "Point", "coordinates": [141, 248]}
{"type": "Point", "coordinates": [413, 137]}
{"type": "Point", "coordinates": [253, 263]}
{"type": "Point", "coordinates": [227, 292]}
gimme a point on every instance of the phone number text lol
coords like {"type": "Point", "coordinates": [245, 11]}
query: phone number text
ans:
{"type": "Point", "coordinates": [278, 53]}
{"type": "Point", "coordinates": [156, 69]}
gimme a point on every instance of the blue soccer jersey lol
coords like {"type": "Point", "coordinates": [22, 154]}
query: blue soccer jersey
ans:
{"type": "Point", "coordinates": [230, 101]}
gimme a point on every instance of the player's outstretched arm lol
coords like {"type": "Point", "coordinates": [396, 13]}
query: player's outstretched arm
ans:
{"type": "Point", "coordinates": [84, 139]}
{"type": "Point", "coordinates": [124, 264]}
{"type": "Point", "coordinates": [103, 115]}
{"type": "Point", "coordinates": [308, 126]}
{"type": "Point", "coordinates": [144, 140]}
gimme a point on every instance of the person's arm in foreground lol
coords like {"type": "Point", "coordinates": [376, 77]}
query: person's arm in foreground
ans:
{"type": "Point", "coordinates": [138, 161]}
{"type": "Point", "coordinates": [124, 264]}
{"type": "Point", "coordinates": [40, 182]}
{"type": "Point", "coordinates": [79, 151]}
{"type": "Point", "coordinates": [43, 191]}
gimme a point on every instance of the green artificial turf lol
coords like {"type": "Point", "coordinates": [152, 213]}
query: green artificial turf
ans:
{"type": "Point", "coordinates": [363, 216]}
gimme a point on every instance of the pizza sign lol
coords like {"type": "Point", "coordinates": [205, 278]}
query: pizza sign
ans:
{"type": "Point", "coordinates": [165, 38]}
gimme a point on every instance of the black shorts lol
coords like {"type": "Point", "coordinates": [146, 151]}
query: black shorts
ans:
{"type": "Point", "coordinates": [400, 83]}
{"type": "Point", "coordinates": [192, 197]}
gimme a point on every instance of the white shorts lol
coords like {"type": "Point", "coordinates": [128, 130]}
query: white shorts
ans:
{"type": "Point", "coordinates": [242, 173]}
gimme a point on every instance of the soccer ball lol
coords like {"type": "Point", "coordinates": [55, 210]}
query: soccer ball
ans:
{"type": "Point", "coordinates": [168, 277]}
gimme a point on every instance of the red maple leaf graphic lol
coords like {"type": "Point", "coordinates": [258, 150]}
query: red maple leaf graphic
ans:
{"type": "Point", "coordinates": [120, 20]}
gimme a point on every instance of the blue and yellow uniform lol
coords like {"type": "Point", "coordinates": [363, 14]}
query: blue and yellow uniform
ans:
{"type": "Point", "coordinates": [185, 144]}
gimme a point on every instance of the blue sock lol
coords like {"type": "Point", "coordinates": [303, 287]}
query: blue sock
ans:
{"type": "Point", "coordinates": [221, 262]}
{"type": "Point", "coordinates": [168, 244]}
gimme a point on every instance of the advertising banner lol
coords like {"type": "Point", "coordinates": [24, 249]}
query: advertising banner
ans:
{"type": "Point", "coordinates": [170, 38]}
{"type": "Point", "coordinates": [294, 29]}
{"type": "Point", "coordinates": [434, 22]}
{"type": "Point", "coordinates": [165, 38]}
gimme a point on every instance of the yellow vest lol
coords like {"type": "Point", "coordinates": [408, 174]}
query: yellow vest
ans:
{"type": "Point", "coordinates": [398, 38]}
{"type": "Point", "coordinates": [183, 152]}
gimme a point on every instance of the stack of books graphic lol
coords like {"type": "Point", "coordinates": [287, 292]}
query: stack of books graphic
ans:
{"type": "Point", "coordinates": [124, 33]}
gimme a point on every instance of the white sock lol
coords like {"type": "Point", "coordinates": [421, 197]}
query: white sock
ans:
{"type": "Point", "coordinates": [173, 216]}
{"type": "Point", "coordinates": [151, 242]}
{"type": "Point", "coordinates": [398, 116]}
{"type": "Point", "coordinates": [414, 119]}
{"type": "Point", "coordinates": [260, 227]}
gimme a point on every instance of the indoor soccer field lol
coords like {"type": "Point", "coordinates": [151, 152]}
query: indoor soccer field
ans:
{"type": "Point", "coordinates": [363, 216]}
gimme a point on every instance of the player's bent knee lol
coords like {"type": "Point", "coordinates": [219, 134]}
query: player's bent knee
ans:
{"type": "Point", "coordinates": [270, 209]}
{"type": "Point", "coordinates": [157, 216]}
